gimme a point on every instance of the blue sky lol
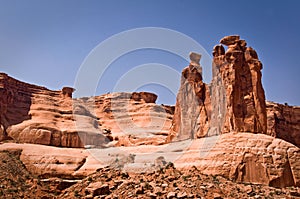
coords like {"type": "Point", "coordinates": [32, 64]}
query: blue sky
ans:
{"type": "Point", "coordinates": [45, 42]}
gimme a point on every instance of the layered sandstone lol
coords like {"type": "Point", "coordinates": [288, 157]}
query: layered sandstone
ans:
{"type": "Point", "coordinates": [130, 119]}
{"type": "Point", "coordinates": [284, 122]}
{"type": "Point", "coordinates": [34, 114]}
{"type": "Point", "coordinates": [240, 157]}
{"type": "Point", "coordinates": [166, 182]}
{"type": "Point", "coordinates": [246, 157]}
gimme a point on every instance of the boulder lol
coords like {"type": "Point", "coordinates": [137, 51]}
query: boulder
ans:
{"type": "Point", "coordinates": [145, 96]}
{"type": "Point", "coordinates": [67, 92]}
{"type": "Point", "coordinates": [195, 58]}
{"type": "Point", "coordinates": [230, 40]}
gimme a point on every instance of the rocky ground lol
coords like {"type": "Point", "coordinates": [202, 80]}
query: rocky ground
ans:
{"type": "Point", "coordinates": [15, 180]}
{"type": "Point", "coordinates": [166, 182]}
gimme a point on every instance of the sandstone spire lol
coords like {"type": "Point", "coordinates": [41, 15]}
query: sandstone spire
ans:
{"type": "Point", "coordinates": [240, 71]}
{"type": "Point", "coordinates": [190, 117]}
{"type": "Point", "coordinates": [233, 102]}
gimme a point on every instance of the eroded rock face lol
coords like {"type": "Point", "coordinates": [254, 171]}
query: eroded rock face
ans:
{"type": "Point", "coordinates": [12, 113]}
{"type": "Point", "coordinates": [132, 118]}
{"type": "Point", "coordinates": [191, 118]}
{"type": "Point", "coordinates": [284, 122]}
{"type": "Point", "coordinates": [240, 71]}
{"type": "Point", "coordinates": [233, 102]}
{"type": "Point", "coordinates": [246, 157]}
{"type": "Point", "coordinates": [33, 114]}
{"type": "Point", "coordinates": [240, 157]}
{"type": "Point", "coordinates": [230, 40]}
{"type": "Point", "coordinates": [218, 103]}
{"type": "Point", "coordinates": [145, 96]}
{"type": "Point", "coordinates": [67, 92]}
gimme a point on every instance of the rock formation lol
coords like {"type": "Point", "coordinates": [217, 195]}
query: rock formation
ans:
{"type": "Point", "coordinates": [11, 112]}
{"type": "Point", "coordinates": [240, 71]}
{"type": "Point", "coordinates": [233, 102]}
{"type": "Point", "coordinates": [246, 157]}
{"type": "Point", "coordinates": [144, 96]}
{"type": "Point", "coordinates": [166, 182]}
{"type": "Point", "coordinates": [131, 118]}
{"type": "Point", "coordinates": [230, 115]}
{"type": "Point", "coordinates": [284, 122]}
{"type": "Point", "coordinates": [67, 92]}
{"type": "Point", "coordinates": [218, 98]}
{"type": "Point", "coordinates": [34, 114]}
{"type": "Point", "coordinates": [240, 157]}
{"type": "Point", "coordinates": [191, 118]}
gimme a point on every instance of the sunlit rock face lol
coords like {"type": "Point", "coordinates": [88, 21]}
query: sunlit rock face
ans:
{"type": "Point", "coordinates": [191, 118]}
{"type": "Point", "coordinates": [233, 102]}
{"type": "Point", "coordinates": [240, 71]}
{"type": "Point", "coordinates": [284, 122]}
{"type": "Point", "coordinates": [34, 114]}
{"type": "Point", "coordinates": [240, 157]}
{"type": "Point", "coordinates": [246, 157]}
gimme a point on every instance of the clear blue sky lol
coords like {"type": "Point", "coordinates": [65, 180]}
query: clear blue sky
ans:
{"type": "Point", "coordinates": [45, 41]}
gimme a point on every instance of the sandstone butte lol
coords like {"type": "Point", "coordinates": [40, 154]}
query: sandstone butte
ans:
{"type": "Point", "coordinates": [238, 134]}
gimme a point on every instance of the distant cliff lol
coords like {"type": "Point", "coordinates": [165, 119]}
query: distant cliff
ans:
{"type": "Point", "coordinates": [284, 122]}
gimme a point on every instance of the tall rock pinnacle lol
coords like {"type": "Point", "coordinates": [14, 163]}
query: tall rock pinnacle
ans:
{"type": "Point", "coordinates": [190, 117]}
{"type": "Point", "coordinates": [233, 102]}
{"type": "Point", "coordinates": [240, 71]}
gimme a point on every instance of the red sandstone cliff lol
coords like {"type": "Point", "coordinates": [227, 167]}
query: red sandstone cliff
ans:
{"type": "Point", "coordinates": [284, 122]}
{"type": "Point", "coordinates": [34, 114]}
